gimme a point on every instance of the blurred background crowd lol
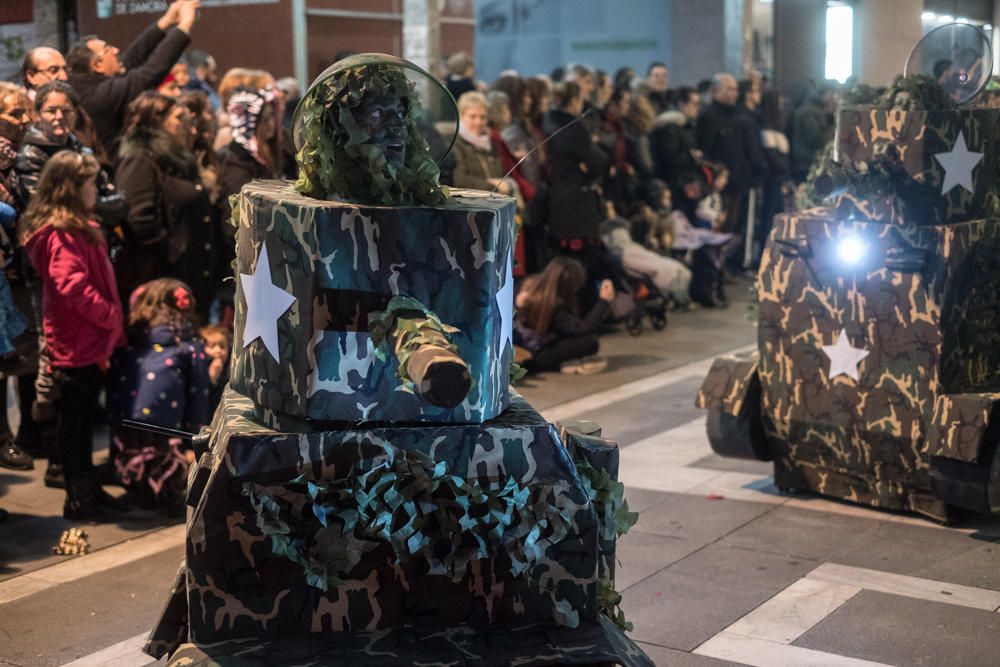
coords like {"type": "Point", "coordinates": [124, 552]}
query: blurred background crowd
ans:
{"type": "Point", "coordinates": [634, 198]}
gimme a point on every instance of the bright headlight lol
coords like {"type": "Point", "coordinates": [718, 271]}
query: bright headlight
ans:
{"type": "Point", "coordinates": [851, 250]}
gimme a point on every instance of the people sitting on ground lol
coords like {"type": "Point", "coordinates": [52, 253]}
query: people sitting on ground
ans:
{"type": "Point", "coordinates": [82, 318]}
{"type": "Point", "coordinates": [669, 276]}
{"type": "Point", "coordinates": [703, 247]}
{"type": "Point", "coordinates": [161, 378]}
{"type": "Point", "coordinates": [107, 84]}
{"type": "Point", "coordinates": [548, 322]}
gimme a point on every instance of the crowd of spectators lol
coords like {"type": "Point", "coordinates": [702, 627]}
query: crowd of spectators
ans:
{"type": "Point", "coordinates": [116, 169]}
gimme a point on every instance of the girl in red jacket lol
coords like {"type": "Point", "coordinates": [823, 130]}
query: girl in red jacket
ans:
{"type": "Point", "coordinates": [82, 317]}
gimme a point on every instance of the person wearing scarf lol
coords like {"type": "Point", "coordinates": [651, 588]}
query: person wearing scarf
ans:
{"type": "Point", "coordinates": [251, 154]}
{"type": "Point", "coordinates": [477, 165]}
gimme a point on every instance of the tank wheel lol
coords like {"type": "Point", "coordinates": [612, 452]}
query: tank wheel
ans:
{"type": "Point", "coordinates": [634, 324]}
{"type": "Point", "coordinates": [969, 486]}
{"type": "Point", "coordinates": [659, 321]}
{"type": "Point", "coordinates": [739, 437]}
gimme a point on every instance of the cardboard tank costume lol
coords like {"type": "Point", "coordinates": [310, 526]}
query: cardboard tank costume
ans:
{"type": "Point", "coordinates": [876, 377]}
{"type": "Point", "coordinates": [370, 491]}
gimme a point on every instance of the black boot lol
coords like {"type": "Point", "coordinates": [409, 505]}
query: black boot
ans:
{"type": "Point", "coordinates": [12, 456]}
{"type": "Point", "coordinates": [82, 505]}
{"type": "Point", "coordinates": [54, 478]}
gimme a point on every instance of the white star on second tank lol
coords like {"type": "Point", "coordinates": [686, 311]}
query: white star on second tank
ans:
{"type": "Point", "coordinates": [958, 165]}
{"type": "Point", "coordinates": [844, 358]}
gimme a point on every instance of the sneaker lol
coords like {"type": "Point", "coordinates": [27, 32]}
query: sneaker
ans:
{"type": "Point", "coordinates": [12, 456]}
{"type": "Point", "coordinates": [585, 366]}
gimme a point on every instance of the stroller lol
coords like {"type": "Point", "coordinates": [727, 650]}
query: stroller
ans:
{"type": "Point", "coordinates": [637, 298]}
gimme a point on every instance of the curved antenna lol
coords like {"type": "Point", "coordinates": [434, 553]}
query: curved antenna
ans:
{"type": "Point", "coordinates": [549, 138]}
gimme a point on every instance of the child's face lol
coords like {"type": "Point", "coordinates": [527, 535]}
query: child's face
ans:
{"type": "Point", "coordinates": [665, 199]}
{"type": "Point", "coordinates": [721, 181]}
{"type": "Point", "coordinates": [217, 347]}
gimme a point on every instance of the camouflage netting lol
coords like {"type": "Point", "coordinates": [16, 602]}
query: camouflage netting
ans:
{"type": "Point", "coordinates": [337, 157]}
{"type": "Point", "coordinates": [417, 506]}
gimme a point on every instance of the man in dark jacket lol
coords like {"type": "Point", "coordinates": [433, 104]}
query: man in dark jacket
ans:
{"type": "Point", "coordinates": [106, 84]}
{"type": "Point", "coordinates": [723, 137]}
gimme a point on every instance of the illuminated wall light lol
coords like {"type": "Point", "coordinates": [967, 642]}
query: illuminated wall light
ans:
{"type": "Point", "coordinates": [961, 20]}
{"type": "Point", "coordinates": [928, 16]}
{"type": "Point", "coordinates": [839, 42]}
{"type": "Point", "coordinates": [946, 18]}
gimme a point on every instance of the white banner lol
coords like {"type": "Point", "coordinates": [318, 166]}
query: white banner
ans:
{"type": "Point", "coordinates": [109, 8]}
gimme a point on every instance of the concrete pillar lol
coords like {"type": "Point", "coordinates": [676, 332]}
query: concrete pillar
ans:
{"type": "Point", "coordinates": [422, 32]}
{"type": "Point", "coordinates": [885, 31]}
{"type": "Point", "coordinates": [706, 38]}
{"type": "Point", "coordinates": [799, 42]}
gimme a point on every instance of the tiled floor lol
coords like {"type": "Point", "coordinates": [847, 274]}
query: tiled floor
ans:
{"type": "Point", "coordinates": [721, 568]}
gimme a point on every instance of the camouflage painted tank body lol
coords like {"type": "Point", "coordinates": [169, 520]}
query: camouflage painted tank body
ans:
{"type": "Point", "coordinates": [336, 510]}
{"type": "Point", "coordinates": [241, 581]}
{"type": "Point", "coordinates": [924, 303]}
{"type": "Point", "coordinates": [918, 137]}
{"type": "Point", "coordinates": [343, 261]}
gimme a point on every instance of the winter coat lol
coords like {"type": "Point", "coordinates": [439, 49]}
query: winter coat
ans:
{"type": "Point", "coordinates": [147, 60]}
{"type": "Point", "coordinates": [35, 151]}
{"type": "Point", "coordinates": [171, 218]}
{"type": "Point", "coordinates": [81, 314]}
{"type": "Point", "coordinates": [474, 166]}
{"type": "Point", "coordinates": [162, 380]}
{"type": "Point", "coordinates": [672, 141]}
{"type": "Point", "coordinates": [723, 136]}
{"type": "Point", "coordinates": [564, 324]}
{"type": "Point", "coordinates": [574, 200]}
{"type": "Point", "coordinates": [809, 134]}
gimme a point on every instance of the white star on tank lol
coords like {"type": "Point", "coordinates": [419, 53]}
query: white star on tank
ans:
{"type": "Point", "coordinates": [844, 358]}
{"type": "Point", "coordinates": [958, 165]}
{"type": "Point", "coordinates": [265, 304]}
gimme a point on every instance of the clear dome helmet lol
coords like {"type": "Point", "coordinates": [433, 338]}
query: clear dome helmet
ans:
{"type": "Point", "coordinates": [437, 115]}
{"type": "Point", "coordinates": [958, 56]}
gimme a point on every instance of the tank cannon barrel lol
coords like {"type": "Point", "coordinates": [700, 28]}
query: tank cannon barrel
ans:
{"type": "Point", "coordinates": [439, 375]}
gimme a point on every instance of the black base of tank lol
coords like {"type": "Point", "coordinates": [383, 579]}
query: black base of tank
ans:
{"type": "Point", "coordinates": [971, 486]}
{"type": "Point", "coordinates": [739, 437]}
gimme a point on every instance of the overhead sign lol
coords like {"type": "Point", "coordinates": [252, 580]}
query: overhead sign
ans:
{"type": "Point", "coordinates": [109, 8]}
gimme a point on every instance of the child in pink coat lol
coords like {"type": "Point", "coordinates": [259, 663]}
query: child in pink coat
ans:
{"type": "Point", "coordinates": [82, 317]}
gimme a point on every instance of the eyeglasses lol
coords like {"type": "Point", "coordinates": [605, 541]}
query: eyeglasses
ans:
{"type": "Point", "coordinates": [51, 71]}
{"type": "Point", "coordinates": [52, 111]}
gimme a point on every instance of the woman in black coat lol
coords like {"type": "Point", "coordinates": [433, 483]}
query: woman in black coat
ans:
{"type": "Point", "coordinates": [576, 167]}
{"type": "Point", "coordinates": [170, 211]}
